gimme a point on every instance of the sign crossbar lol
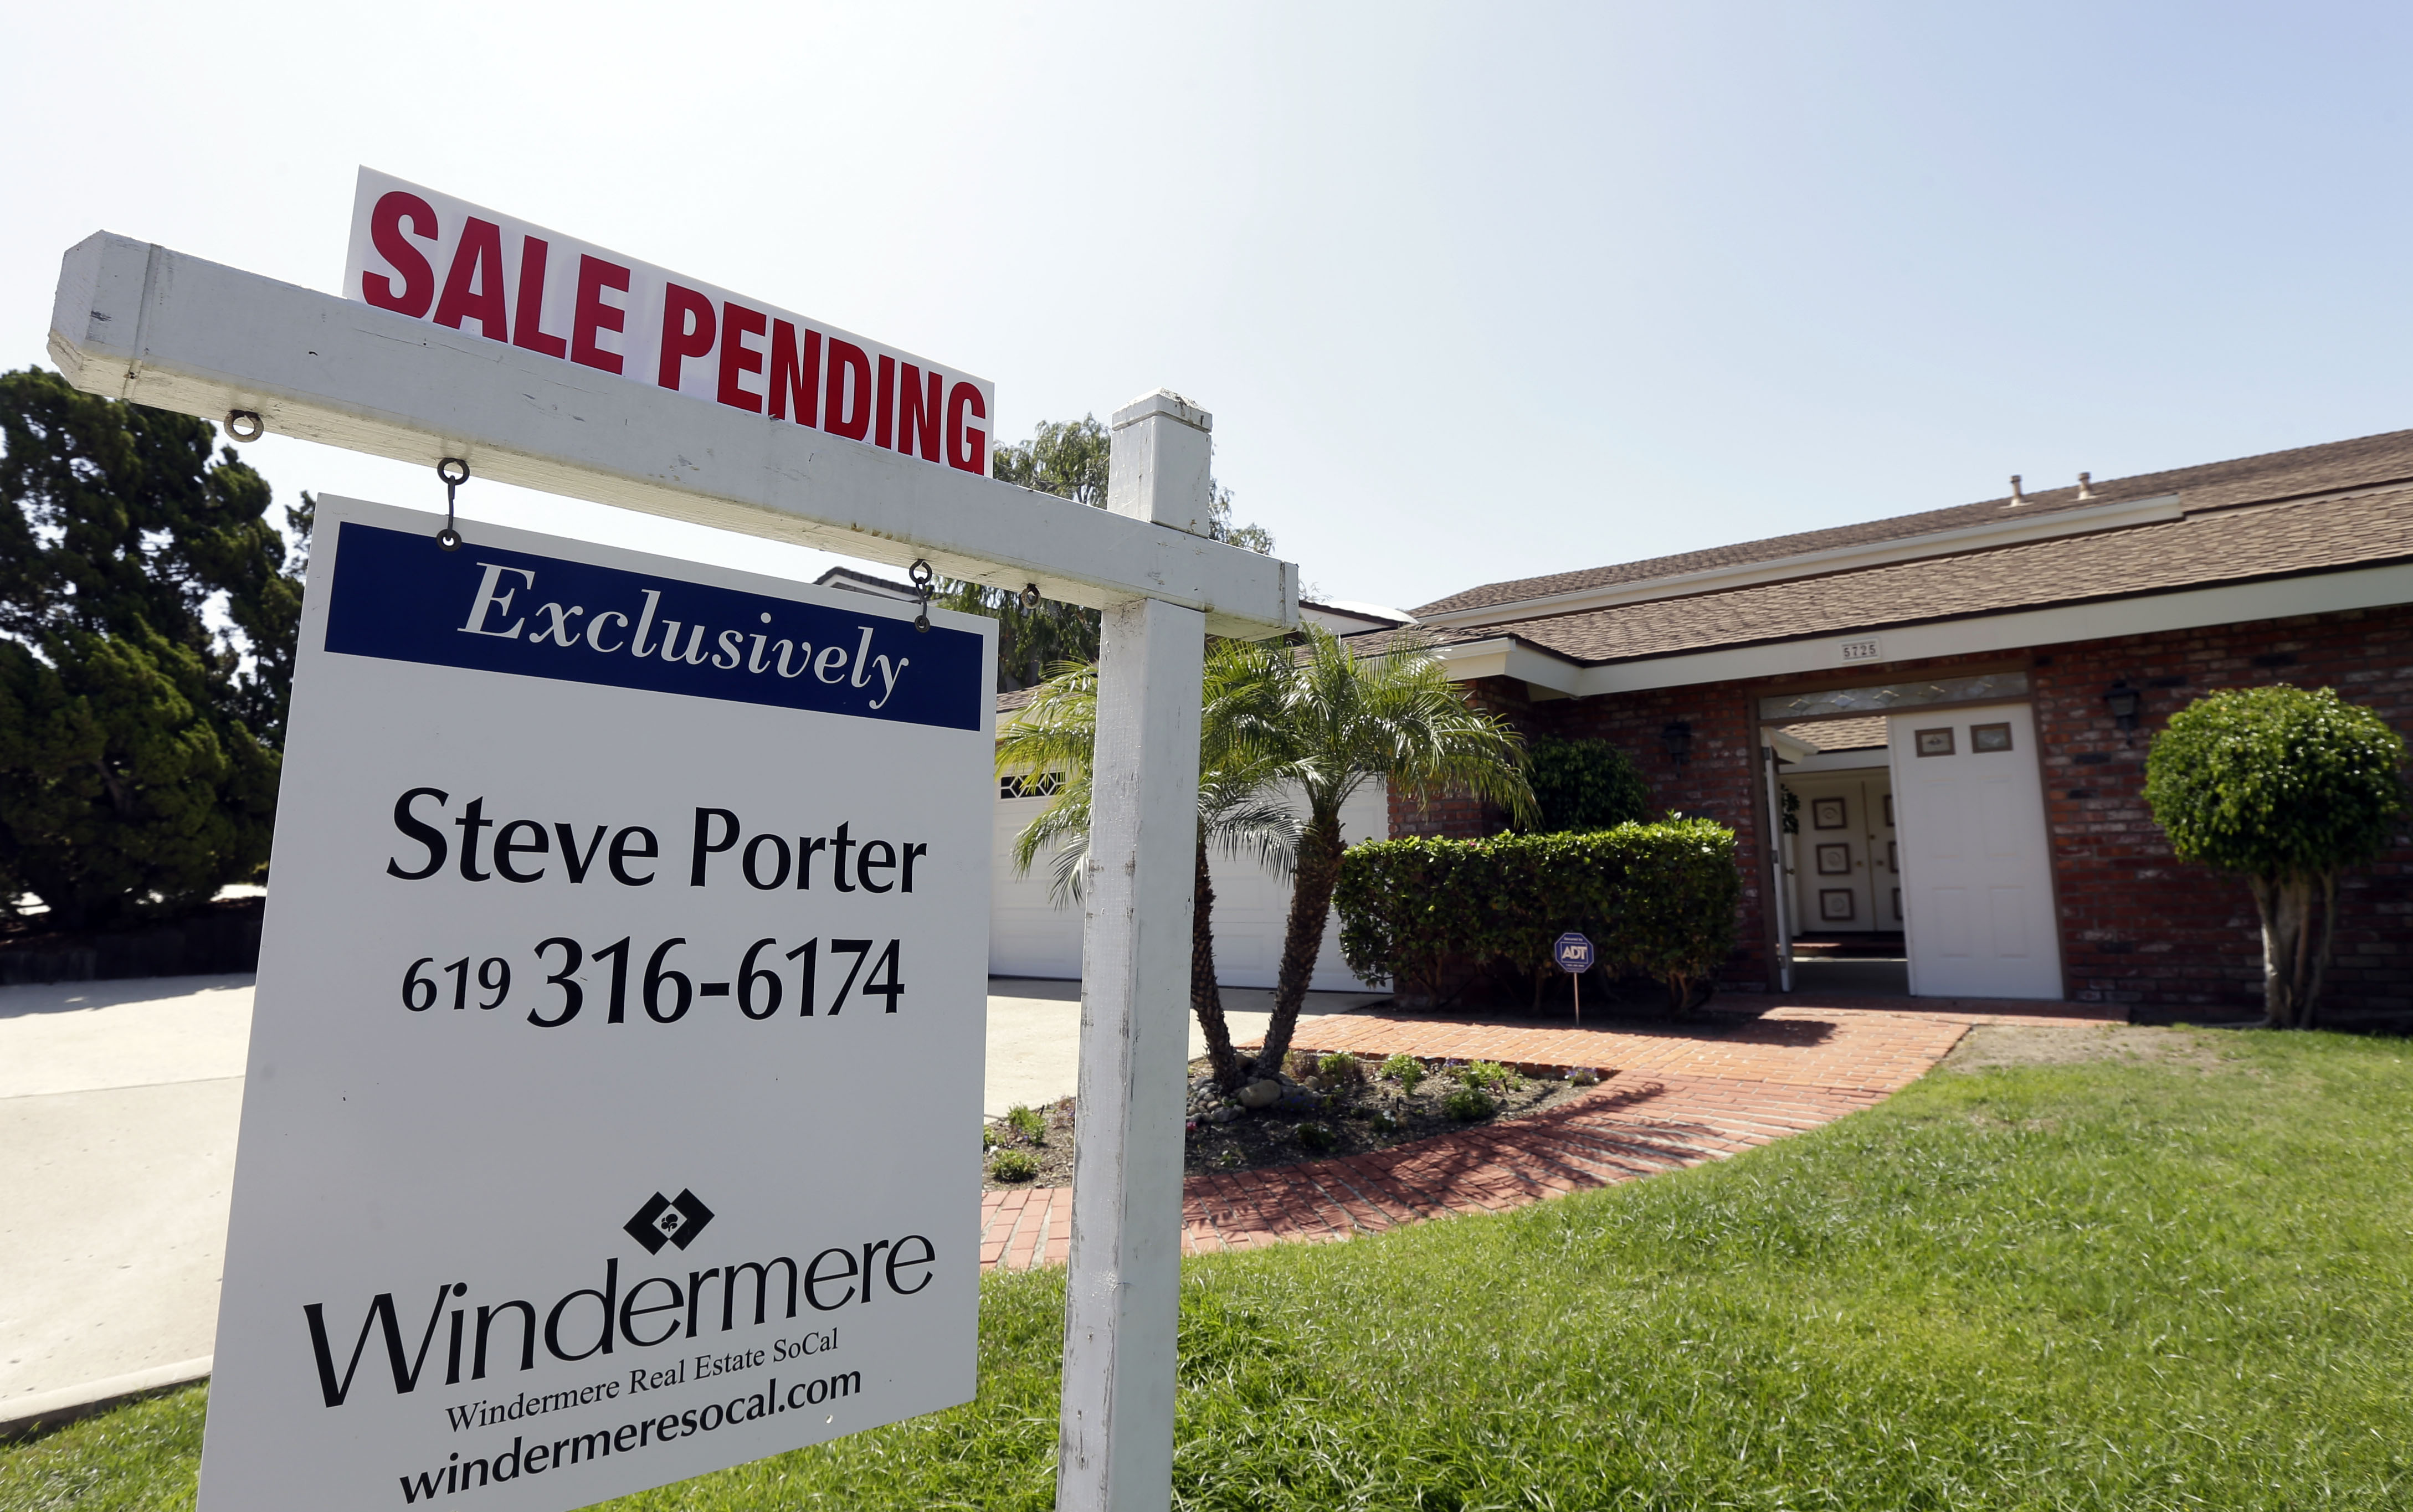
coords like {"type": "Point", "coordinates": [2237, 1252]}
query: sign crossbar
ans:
{"type": "Point", "coordinates": [138, 321]}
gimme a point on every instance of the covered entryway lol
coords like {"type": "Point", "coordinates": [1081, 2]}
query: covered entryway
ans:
{"type": "Point", "coordinates": [1844, 873]}
{"type": "Point", "coordinates": [1840, 898]}
{"type": "Point", "coordinates": [1913, 851]}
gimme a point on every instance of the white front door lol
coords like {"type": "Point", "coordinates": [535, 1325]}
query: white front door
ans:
{"type": "Point", "coordinates": [1976, 877]}
{"type": "Point", "coordinates": [1844, 872]}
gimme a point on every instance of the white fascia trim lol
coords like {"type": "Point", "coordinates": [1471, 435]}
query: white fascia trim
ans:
{"type": "Point", "coordinates": [2372, 588]}
{"type": "Point", "coordinates": [1507, 657]}
{"type": "Point", "coordinates": [2004, 532]}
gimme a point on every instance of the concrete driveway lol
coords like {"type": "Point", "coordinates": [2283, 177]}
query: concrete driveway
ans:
{"type": "Point", "coordinates": [119, 1103]}
{"type": "Point", "coordinates": [118, 1106]}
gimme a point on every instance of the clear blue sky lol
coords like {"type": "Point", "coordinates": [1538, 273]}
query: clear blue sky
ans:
{"type": "Point", "coordinates": [1473, 292]}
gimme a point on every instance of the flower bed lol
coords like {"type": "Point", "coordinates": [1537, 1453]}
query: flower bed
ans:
{"type": "Point", "coordinates": [1327, 1106]}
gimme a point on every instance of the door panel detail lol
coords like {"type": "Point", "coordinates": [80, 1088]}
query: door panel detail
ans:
{"type": "Point", "coordinates": [1951, 906]}
{"type": "Point", "coordinates": [2007, 908]}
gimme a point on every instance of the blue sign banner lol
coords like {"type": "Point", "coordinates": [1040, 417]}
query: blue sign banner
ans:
{"type": "Point", "coordinates": [401, 597]}
{"type": "Point", "coordinates": [1574, 952]}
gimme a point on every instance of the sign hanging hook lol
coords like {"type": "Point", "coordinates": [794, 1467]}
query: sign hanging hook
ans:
{"type": "Point", "coordinates": [455, 472]}
{"type": "Point", "coordinates": [923, 577]}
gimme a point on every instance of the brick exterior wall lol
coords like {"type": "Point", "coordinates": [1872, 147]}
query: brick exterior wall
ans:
{"type": "Point", "coordinates": [1457, 815]}
{"type": "Point", "coordinates": [2138, 929]}
{"type": "Point", "coordinates": [1715, 782]}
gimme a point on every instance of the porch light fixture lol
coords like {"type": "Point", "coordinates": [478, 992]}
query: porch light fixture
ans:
{"type": "Point", "coordinates": [1677, 739]}
{"type": "Point", "coordinates": [2124, 701]}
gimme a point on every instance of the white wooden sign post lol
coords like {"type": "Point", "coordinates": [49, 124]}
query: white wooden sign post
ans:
{"type": "Point", "coordinates": [1115, 1436]}
{"type": "Point", "coordinates": [477, 375]}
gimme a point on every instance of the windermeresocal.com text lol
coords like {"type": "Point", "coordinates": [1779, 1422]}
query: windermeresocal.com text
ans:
{"type": "Point", "coordinates": [458, 1474]}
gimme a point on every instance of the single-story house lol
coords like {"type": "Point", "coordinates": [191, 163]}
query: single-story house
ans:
{"type": "Point", "coordinates": [1953, 709]}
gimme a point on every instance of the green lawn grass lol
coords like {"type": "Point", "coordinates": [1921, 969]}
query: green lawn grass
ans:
{"type": "Point", "coordinates": [2097, 1286]}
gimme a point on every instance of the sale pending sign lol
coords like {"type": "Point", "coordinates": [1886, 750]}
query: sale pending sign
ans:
{"type": "Point", "coordinates": [619, 1033]}
{"type": "Point", "coordinates": [430, 256]}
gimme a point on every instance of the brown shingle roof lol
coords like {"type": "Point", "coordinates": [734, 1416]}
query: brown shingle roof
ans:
{"type": "Point", "coordinates": [2227, 545]}
{"type": "Point", "coordinates": [1840, 735]}
{"type": "Point", "coordinates": [2275, 475]}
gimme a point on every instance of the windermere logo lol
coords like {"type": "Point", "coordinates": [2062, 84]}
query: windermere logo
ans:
{"type": "Point", "coordinates": [483, 1338]}
{"type": "Point", "coordinates": [668, 1221]}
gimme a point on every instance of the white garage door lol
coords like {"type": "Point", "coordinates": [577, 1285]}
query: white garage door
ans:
{"type": "Point", "coordinates": [1030, 936]}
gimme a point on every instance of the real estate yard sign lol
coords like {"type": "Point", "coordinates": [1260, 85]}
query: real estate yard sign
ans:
{"type": "Point", "coordinates": [618, 1029]}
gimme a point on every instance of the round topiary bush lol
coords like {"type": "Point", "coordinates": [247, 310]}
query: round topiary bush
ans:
{"type": "Point", "coordinates": [2287, 788]}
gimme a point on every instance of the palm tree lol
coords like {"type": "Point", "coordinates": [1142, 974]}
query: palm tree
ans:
{"type": "Point", "coordinates": [1337, 721]}
{"type": "Point", "coordinates": [1055, 734]}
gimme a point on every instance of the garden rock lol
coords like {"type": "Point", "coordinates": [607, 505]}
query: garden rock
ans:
{"type": "Point", "coordinates": [1260, 1095]}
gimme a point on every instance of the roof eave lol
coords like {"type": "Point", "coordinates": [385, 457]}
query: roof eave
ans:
{"type": "Point", "coordinates": [2381, 583]}
{"type": "Point", "coordinates": [2007, 531]}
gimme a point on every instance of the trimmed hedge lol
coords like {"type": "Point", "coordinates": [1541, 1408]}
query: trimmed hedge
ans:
{"type": "Point", "coordinates": [1657, 901]}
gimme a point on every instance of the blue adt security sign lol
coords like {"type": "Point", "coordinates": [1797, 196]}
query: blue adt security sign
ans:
{"type": "Point", "coordinates": [1574, 952]}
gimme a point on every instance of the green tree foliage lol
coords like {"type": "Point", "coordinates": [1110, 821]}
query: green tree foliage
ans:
{"type": "Point", "coordinates": [1069, 459]}
{"type": "Point", "coordinates": [1657, 901]}
{"type": "Point", "coordinates": [2287, 788]}
{"type": "Point", "coordinates": [1064, 457]}
{"type": "Point", "coordinates": [1337, 721]}
{"type": "Point", "coordinates": [270, 625]}
{"type": "Point", "coordinates": [1238, 814]}
{"type": "Point", "coordinates": [138, 746]}
{"type": "Point", "coordinates": [1256, 538]}
{"type": "Point", "coordinates": [1584, 785]}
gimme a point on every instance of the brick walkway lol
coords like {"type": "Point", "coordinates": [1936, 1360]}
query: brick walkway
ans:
{"type": "Point", "coordinates": [1676, 1096]}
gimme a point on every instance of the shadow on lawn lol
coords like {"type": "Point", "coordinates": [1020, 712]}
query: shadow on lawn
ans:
{"type": "Point", "coordinates": [1593, 1141]}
